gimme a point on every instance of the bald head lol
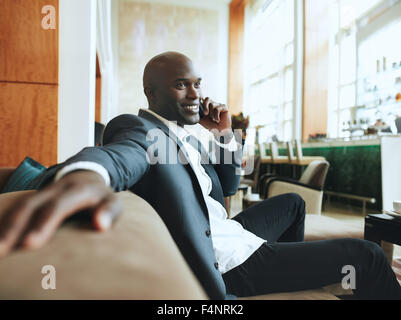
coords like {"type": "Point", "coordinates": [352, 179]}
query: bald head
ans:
{"type": "Point", "coordinates": [172, 87]}
{"type": "Point", "coordinates": [159, 67]}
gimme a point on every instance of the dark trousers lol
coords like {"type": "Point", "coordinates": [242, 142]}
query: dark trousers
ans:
{"type": "Point", "coordinates": [285, 263]}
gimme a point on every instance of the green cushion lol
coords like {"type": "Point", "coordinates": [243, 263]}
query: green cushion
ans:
{"type": "Point", "coordinates": [22, 177]}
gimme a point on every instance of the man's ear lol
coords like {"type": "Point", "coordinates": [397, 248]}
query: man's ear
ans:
{"type": "Point", "coordinates": [149, 93]}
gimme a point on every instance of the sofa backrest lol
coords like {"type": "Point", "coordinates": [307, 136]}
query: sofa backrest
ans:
{"type": "Point", "coordinates": [5, 173]}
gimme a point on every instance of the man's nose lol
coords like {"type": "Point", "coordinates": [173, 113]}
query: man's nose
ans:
{"type": "Point", "coordinates": [193, 93]}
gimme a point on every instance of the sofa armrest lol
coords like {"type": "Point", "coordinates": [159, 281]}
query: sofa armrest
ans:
{"type": "Point", "coordinates": [313, 198]}
{"type": "Point", "coordinates": [261, 187]}
{"type": "Point", "coordinates": [288, 180]}
{"type": "Point", "coordinates": [136, 259]}
{"type": "Point", "coordinates": [5, 173]}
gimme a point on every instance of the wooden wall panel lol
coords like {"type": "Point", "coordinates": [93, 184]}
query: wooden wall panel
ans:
{"type": "Point", "coordinates": [316, 50]}
{"type": "Point", "coordinates": [98, 99]}
{"type": "Point", "coordinates": [235, 56]}
{"type": "Point", "coordinates": [28, 83]}
{"type": "Point", "coordinates": [28, 53]}
{"type": "Point", "coordinates": [28, 123]}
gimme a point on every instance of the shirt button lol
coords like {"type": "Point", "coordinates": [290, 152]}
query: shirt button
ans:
{"type": "Point", "coordinates": [216, 265]}
{"type": "Point", "coordinates": [208, 233]}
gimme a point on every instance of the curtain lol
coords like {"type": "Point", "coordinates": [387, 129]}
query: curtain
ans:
{"type": "Point", "coordinates": [107, 66]}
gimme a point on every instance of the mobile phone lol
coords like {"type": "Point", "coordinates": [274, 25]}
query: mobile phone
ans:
{"type": "Point", "coordinates": [201, 112]}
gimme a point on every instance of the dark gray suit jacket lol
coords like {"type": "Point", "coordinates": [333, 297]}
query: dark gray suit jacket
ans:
{"type": "Point", "coordinates": [171, 189]}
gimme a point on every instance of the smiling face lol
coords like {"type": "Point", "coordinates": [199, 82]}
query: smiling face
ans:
{"type": "Point", "coordinates": [173, 88]}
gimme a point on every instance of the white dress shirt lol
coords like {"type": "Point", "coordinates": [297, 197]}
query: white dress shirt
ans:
{"type": "Point", "coordinates": [231, 242]}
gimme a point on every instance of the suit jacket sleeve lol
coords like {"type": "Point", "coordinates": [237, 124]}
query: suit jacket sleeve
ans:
{"type": "Point", "coordinates": [228, 168]}
{"type": "Point", "coordinates": [123, 154]}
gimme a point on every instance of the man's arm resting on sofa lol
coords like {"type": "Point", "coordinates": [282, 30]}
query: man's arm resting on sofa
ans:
{"type": "Point", "coordinates": [30, 223]}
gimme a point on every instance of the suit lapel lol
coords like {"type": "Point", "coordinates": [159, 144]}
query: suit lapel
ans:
{"type": "Point", "coordinates": [148, 116]}
{"type": "Point", "coordinates": [195, 142]}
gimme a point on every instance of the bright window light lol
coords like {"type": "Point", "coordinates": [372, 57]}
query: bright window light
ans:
{"type": "Point", "coordinates": [269, 68]}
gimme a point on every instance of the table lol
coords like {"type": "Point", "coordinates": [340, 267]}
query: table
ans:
{"type": "Point", "coordinates": [272, 162]}
{"type": "Point", "coordinates": [304, 161]}
{"type": "Point", "coordinates": [376, 152]}
{"type": "Point", "coordinates": [296, 163]}
{"type": "Point", "coordinates": [277, 160]}
{"type": "Point", "coordinates": [382, 227]}
{"type": "Point", "coordinates": [243, 188]}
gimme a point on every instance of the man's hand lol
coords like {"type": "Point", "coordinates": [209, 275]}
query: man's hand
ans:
{"type": "Point", "coordinates": [30, 223]}
{"type": "Point", "coordinates": [216, 117]}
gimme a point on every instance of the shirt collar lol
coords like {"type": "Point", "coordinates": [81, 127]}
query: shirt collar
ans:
{"type": "Point", "coordinates": [179, 131]}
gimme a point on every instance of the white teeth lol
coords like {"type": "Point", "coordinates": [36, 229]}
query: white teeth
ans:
{"type": "Point", "coordinates": [191, 107]}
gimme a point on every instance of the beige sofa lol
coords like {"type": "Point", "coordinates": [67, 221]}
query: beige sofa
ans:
{"type": "Point", "coordinates": [136, 259]}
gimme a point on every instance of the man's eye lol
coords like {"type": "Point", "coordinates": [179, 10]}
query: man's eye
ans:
{"type": "Point", "coordinates": [197, 85]}
{"type": "Point", "coordinates": [180, 85]}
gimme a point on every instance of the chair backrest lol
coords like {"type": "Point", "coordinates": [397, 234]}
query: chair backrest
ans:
{"type": "Point", "coordinates": [256, 170]}
{"type": "Point", "coordinates": [315, 174]}
{"type": "Point", "coordinates": [254, 175]}
{"type": "Point", "coordinates": [259, 149]}
{"type": "Point", "coordinates": [273, 150]}
{"type": "Point", "coordinates": [290, 151]}
{"type": "Point", "coordinates": [398, 124]}
{"type": "Point", "coordinates": [264, 147]}
{"type": "Point", "coordinates": [298, 150]}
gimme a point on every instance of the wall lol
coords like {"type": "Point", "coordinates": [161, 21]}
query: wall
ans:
{"type": "Point", "coordinates": [316, 50]}
{"type": "Point", "coordinates": [28, 83]}
{"type": "Point", "coordinates": [147, 28]}
{"type": "Point", "coordinates": [77, 76]}
{"type": "Point", "coordinates": [115, 12]}
{"type": "Point", "coordinates": [236, 56]}
{"type": "Point", "coordinates": [390, 159]}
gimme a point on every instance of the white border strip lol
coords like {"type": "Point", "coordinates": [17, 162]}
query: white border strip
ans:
{"type": "Point", "coordinates": [77, 76]}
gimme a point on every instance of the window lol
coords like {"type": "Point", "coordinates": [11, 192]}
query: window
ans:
{"type": "Point", "coordinates": [344, 67]}
{"type": "Point", "coordinates": [379, 74]}
{"type": "Point", "coordinates": [270, 68]}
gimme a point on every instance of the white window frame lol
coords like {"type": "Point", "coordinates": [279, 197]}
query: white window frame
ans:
{"type": "Point", "coordinates": [296, 66]}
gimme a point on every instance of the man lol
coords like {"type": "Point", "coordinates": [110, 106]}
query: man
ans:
{"type": "Point", "coordinates": [259, 251]}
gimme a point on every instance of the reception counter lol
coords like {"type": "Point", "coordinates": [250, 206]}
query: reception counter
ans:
{"type": "Point", "coordinates": [367, 167]}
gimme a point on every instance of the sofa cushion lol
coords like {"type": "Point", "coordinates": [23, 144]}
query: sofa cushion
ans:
{"type": "Point", "coordinates": [23, 175]}
{"type": "Point", "coordinates": [136, 259]}
{"type": "Point", "coordinates": [319, 227]}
